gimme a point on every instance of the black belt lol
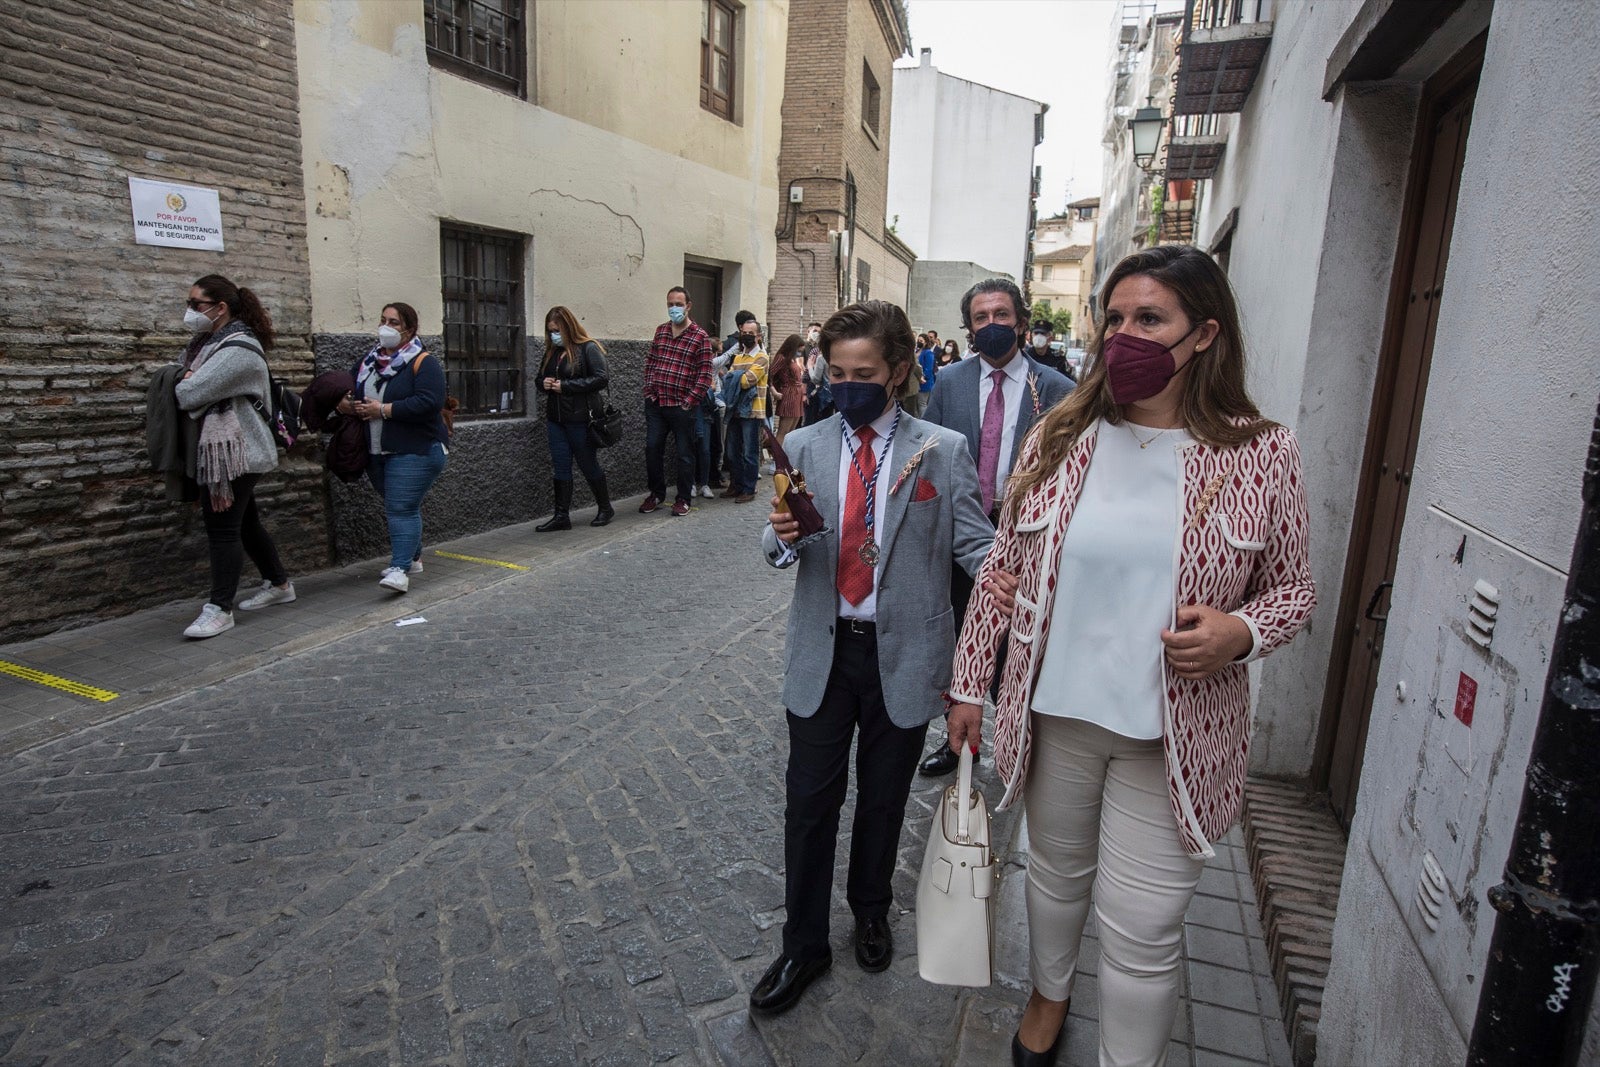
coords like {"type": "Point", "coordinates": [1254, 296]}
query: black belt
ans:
{"type": "Point", "coordinates": [857, 627]}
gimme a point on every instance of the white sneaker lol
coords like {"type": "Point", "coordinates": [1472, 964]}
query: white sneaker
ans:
{"type": "Point", "coordinates": [267, 596]}
{"type": "Point", "coordinates": [415, 568]}
{"type": "Point", "coordinates": [212, 621]}
{"type": "Point", "coordinates": [395, 578]}
{"type": "Point", "coordinates": [705, 491]}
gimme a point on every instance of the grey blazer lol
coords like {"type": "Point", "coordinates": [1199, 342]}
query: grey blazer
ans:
{"type": "Point", "coordinates": [918, 541]}
{"type": "Point", "coordinates": [954, 404]}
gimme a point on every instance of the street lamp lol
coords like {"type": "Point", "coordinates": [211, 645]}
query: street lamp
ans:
{"type": "Point", "coordinates": [1146, 126]}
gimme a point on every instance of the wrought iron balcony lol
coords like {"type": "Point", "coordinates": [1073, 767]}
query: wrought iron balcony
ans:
{"type": "Point", "coordinates": [1220, 55]}
{"type": "Point", "coordinates": [1195, 147]}
{"type": "Point", "coordinates": [1175, 223]}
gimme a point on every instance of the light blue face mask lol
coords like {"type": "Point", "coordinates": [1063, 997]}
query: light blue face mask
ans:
{"type": "Point", "coordinates": [677, 314]}
{"type": "Point", "coordinates": [555, 337]}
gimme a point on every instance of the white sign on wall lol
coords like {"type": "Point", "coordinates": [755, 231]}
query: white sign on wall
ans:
{"type": "Point", "coordinates": [181, 216]}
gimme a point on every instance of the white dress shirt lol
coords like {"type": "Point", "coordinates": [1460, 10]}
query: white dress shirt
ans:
{"type": "Point", "coordinates": [1013, 387]}
{"type": "Point", "coordinates": [867, 610]}
{"type": "Point", "coordinates": [1103, 659]}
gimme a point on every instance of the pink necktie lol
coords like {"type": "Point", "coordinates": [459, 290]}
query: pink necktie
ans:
{"type": "Point", "coordinates": [994, 422]}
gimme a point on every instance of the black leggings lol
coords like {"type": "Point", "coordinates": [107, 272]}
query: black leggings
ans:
{"type": "Point", "coordinates": [235, 533]}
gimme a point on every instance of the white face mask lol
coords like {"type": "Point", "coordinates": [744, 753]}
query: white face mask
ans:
{"type": "Point", "coordinates": [555, 337]}
{"type": "Point", "coordinates": [812, 336]}
{"type": "Point", "coordinates": [197, 321]}
{"type": "Point", "coordinates": [388, 337]}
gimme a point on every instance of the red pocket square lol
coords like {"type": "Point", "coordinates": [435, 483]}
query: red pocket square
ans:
{"type": "Point", "coordinates": [925, 490]}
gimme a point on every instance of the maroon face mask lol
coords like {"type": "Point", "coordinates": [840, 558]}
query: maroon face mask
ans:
{"type": "Point", "coordinates": [1137, 367]}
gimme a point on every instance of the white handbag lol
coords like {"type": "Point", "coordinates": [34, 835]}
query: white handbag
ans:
{"type": "Point", "coordinates": [955, 943]}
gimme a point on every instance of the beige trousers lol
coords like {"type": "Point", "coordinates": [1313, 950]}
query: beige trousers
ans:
{"type": "Point", "coordinates": [1101, 830]}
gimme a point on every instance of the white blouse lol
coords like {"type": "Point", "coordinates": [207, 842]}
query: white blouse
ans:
{"type": "Point", "coordinates": [1103, 659]}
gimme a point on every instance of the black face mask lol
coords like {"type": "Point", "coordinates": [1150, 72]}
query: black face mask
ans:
{"type": "Point", "coordinates": [746, 341]}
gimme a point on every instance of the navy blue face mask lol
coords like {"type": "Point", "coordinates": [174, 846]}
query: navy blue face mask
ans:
{"type": "Point", "coordinates": [995, 339]}
{"type": "Point", "coordinates": [860, 402]}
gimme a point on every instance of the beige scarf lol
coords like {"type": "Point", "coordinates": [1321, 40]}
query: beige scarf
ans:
{"type": "Point", "coordinates": [221, 457]}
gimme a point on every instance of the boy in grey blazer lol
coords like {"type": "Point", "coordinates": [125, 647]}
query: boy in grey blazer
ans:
{"type": "Point", "coordinates": [871, 632]}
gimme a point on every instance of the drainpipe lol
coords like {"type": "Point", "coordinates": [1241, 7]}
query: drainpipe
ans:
{"type": "Point", "coordinates": [1545, 955]}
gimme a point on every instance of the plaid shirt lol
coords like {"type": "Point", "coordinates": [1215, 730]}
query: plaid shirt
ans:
{"type": "Point", "coordinates": [677, 372]}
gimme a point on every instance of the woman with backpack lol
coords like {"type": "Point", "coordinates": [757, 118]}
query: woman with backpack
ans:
{"type": "Point", "coordinates": [571, 378]}
{"type": "Point", "coordinates": [400, 392]}
{"type": "Point", "coordinates": [226, 388]}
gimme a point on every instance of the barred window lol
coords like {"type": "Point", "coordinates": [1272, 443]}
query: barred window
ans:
{"type": "Point", "coordinates": [716, 57]}
{"type": "Point", "coordinates": [483, 322]}
{"type": "Point", "coordinates": [479, 39]}
{"type": "Point", "coordinates": [871, 99]}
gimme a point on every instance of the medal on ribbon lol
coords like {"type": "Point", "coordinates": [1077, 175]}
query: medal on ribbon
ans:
{"type": "Point", "coordinates": [868, 552]}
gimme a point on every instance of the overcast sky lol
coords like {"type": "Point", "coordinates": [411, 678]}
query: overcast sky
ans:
{"type": "Point", "coordinates": [1057, 51]}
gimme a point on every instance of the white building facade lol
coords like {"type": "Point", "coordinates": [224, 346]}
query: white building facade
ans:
{"type": "Point", "coordinates": [487, 162]}
{"type": "Point", "coordinates": [961, 173]}
{"type": "Point", "coordinates": [1443, 474]}
{"type": "Point", "coordinates": [1142, 57]}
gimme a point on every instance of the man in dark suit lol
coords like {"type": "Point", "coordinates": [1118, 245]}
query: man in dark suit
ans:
{"type": "Point", "coordinates": [993, 401]}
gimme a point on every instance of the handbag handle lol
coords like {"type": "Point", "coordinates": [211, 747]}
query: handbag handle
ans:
{"type": "Point", "coordinates": [964, 797]}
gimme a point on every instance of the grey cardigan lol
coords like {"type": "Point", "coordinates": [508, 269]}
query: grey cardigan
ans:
{"type": "Point", "coordinates": [234, 367]}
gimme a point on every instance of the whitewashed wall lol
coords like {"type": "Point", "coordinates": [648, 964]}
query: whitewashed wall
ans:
{"type": "Point", "coordinates": [961, 168]}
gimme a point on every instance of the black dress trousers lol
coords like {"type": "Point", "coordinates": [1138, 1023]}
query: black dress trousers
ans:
{"type": "Point", "coordinates": [819, 767]}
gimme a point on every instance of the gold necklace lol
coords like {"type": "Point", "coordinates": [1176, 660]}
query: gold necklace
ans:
{"type": "Point", "coordinates": [1143, 444]}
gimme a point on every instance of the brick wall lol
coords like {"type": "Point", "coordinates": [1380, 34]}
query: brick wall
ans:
{"type": "Point", "coordinates": [823, 139]}
{"type": "Point", "coordinates": [94, 92]}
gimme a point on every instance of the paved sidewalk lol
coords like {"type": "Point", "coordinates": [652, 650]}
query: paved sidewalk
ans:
{"type": "Point", "coordinates": [144, 658]}
{"type": "Point", "coordinates": [545, 826]}
{"type": "Point", "coordinates": [1228, 1014]}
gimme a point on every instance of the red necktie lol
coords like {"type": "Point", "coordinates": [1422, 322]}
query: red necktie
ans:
{"type": "Point", "coordinates": [854, 580]}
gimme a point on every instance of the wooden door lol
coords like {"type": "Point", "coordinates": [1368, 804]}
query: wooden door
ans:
{"type": "Point", "coordinates": [705, 295]}
{"type": "Point", "coordinates": [1402, 382]}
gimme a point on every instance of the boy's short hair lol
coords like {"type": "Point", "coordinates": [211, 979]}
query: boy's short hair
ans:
{"type": "Point", "coordinates": [880, 321]}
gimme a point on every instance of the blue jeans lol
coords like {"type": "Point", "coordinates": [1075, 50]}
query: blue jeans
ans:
{"type": "Point", "coordinates": [703, 424]}
{"type": "Point", "coordinates": [403, 480]}
{"type": "Point", "coordinates": [744, 445]}
{"type": "Point", "coordinates": [658, 422]}
{"type": "Point", "coordinates": [569, 441]}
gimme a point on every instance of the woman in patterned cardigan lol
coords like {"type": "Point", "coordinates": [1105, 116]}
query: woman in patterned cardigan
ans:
{"type": "Point", "coordinates": [1156, 525]}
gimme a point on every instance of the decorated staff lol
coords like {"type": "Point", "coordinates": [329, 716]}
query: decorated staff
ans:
{"type": "Point", "coordinates": [791, 497]}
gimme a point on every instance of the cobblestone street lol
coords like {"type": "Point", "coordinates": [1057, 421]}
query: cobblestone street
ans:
{"type": "Point", "coordinates": [545, 826]}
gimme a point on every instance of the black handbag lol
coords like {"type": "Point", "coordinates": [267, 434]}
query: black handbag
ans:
{"type": "Point", "coordinates": [605, 423]}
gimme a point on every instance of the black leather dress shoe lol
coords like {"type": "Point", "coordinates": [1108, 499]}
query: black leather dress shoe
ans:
{"type": "Point", "coordinates": [781, 987]}
{"type": "Point", "coordinates": [941, 762]}
{"type": "Point", "coordinates": [874, 944]}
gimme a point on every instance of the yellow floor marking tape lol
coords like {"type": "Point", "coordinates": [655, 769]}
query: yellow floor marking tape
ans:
{"type": "Point", "coordinates": [480, 559]}
{"type": "Point", "coordinates": [66, 685]}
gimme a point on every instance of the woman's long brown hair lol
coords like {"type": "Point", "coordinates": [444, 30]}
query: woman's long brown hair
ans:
{"type": "Point", "coordinates": [573, 336]}
{"type": "Point", "coordinates": [1215, 408]}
